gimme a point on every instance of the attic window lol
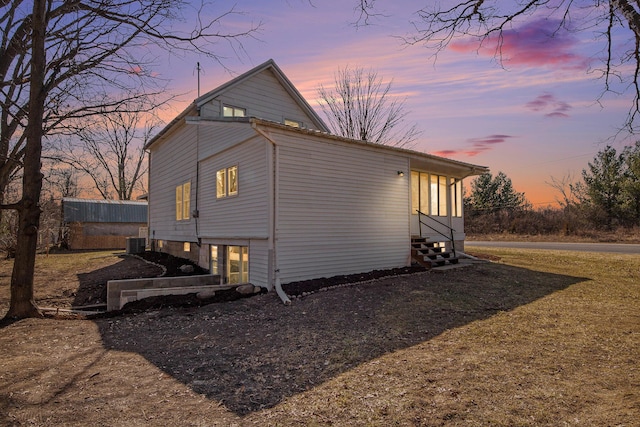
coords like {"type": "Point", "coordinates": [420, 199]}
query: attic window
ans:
{"type": "Point", "coordinates": [228, 111]}
{"type": "Point", "coordinates": [294, 123]}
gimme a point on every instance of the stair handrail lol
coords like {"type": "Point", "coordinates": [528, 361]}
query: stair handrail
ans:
{"type": "Point", "coordinates": [451, 230]}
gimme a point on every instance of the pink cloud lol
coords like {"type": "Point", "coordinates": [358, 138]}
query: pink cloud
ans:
{"type": "Point", "coordinates": [136, 69]}
{"type": "Point", "coordinates": [480, 145]}
{"type": "Point", "coordinates": [543, 42]}
{"type": "Point", "coordinates": [546, 102]}
{"type": "Point", "coordinates": [446, 153]}
{"type": "Point", "coordinates": [476, 146]}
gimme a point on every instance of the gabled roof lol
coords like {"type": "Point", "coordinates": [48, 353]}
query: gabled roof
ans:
{"type": "Point", "coordinates": [280, 76]}
{"type": "Point", "coordinates": [207, 97]}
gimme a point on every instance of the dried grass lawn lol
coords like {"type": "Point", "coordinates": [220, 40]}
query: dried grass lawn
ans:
{"type": "Point", "coordinates": [539, 338]}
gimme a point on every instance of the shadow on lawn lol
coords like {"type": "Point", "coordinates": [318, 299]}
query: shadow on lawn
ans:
{"type": "Point", "coordinates": [253, 353]}
{"type": "Point", "coordinates": [92, 287]}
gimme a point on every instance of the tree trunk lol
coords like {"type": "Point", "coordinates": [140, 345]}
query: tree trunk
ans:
{"type": "Point", "coordinates": [22, 302]}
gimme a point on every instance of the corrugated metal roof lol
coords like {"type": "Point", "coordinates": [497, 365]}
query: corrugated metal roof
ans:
{"type": "Point", "coordinates": [84, 210]}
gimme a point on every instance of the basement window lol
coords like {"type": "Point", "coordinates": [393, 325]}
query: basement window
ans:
{"type": "Point", "coordinates": [237, 270]}
{"type": "Point", "coordinates": [232, 262]}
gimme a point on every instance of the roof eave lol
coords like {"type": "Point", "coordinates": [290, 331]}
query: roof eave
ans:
{"type": "Point", "coordinates": [190, 108]}
{"type": "Point", "coordinates": [471, 169]}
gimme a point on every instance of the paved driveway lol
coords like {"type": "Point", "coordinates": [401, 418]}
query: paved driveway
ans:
{"type": "Point", "coordinates": [621, 248]}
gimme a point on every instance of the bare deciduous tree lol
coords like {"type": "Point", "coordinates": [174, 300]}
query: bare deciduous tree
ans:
{"type": "Point", "coordinates": [73, 59]}
{"type": "Point", "coordinates": [360, 106]}
{"type": "Point", "coordinates": [439, 23]}
{"type": "Point", "coordinates": [60, 182]}
{"type": "Point", "coordinates": [566, 187]}
{"type": "Point", "coordinates": [110, 152]}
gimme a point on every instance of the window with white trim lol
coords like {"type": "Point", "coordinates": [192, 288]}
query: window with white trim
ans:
{"type": "Point", "coordinates": [231, 262]}
{"type": "Point", "coordinates": [183, 201]}
{"type": "Point", "coordinates": [227, 182]}
{"type": "Point", "coordinates": [420, 192]}
{"type": "Point", "coordinates": [429, 194]}
{"type": "Point", "coordinates": [237, 268]}
{"type": "Point", "coordinates": [456, 197]}
{"type": "Point", "coordinates": [229, 111]}
{"type": "Point", "coordinates": [439, 195]}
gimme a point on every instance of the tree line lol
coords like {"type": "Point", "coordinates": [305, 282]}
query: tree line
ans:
{"type": "Point", "coordinates": [606, 198]}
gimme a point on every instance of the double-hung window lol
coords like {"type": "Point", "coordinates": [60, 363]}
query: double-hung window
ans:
{"type": "Point", "coordinates": [227, 182]}
{"type": "Point", "coordinates": [183, 201]}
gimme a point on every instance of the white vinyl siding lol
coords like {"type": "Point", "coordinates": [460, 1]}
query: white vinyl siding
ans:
{"type": "Point", "coordinates": [245, 215]}
{"type": "Point", "coordinates": [216, 137]}
{"type": "Point", "coordinates": [259, 266]}
{"type": "Point", "coordinates": [172, 164]}
{"type": "Point", "coordinates": [262, 96]}
{"type": "Point", "coordinates": [342, 209]}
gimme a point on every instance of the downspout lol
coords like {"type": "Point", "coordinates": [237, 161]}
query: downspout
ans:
{"type": "Point", "coordinates": [275, 201]}
{"type": "Point", "coordinates": [196, 212]}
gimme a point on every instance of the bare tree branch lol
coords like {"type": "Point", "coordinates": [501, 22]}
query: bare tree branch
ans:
{"type": "Point", "coordinates": [110, 151]}
{"type": "Point", "coordinates": [100, 55]}
{"type": "Point", "coordinates": [63, 60]}
{"type": "Point", "coordinates": [439, 23]}
{"type": "Point", "coordinates": [360, 106]}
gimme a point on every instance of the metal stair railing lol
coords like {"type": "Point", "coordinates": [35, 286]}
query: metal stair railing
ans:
{"type": "Point", "coordinates": [451, 230]}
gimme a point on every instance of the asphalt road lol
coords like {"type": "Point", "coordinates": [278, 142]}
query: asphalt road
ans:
{"type": "Point", "coordinates": [620, 248]}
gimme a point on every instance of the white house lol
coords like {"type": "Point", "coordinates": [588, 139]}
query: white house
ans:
{"type": "Point", "coordinates": [248, 182]}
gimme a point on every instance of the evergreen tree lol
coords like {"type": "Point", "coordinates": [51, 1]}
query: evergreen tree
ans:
{"type": "Point", "coordinates": [603, 183]}
{"type": "Point", "coordinates": [631, 184]}
{"type": "Point", "coordinates": [492, 194]}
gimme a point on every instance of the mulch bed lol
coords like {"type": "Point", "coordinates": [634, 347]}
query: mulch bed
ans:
{"type": "Point", "coordinates": [293, 289]}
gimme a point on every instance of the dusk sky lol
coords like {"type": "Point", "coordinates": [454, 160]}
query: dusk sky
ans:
{"type": "Point", "coordinates": [540, 114]}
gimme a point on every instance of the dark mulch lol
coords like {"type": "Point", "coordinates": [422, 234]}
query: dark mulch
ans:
{"type": "Point", "coordinates": [314, 285]}
{"type": "Point", "coordinates": [172, 263]}
{"type": "Point", "coordinates": [294, 289]}
{"type": "Point", "coordinates": [181, 301]}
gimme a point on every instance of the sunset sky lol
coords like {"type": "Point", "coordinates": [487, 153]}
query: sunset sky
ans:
{"type": "Point", "coordinates": [540, 114]}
